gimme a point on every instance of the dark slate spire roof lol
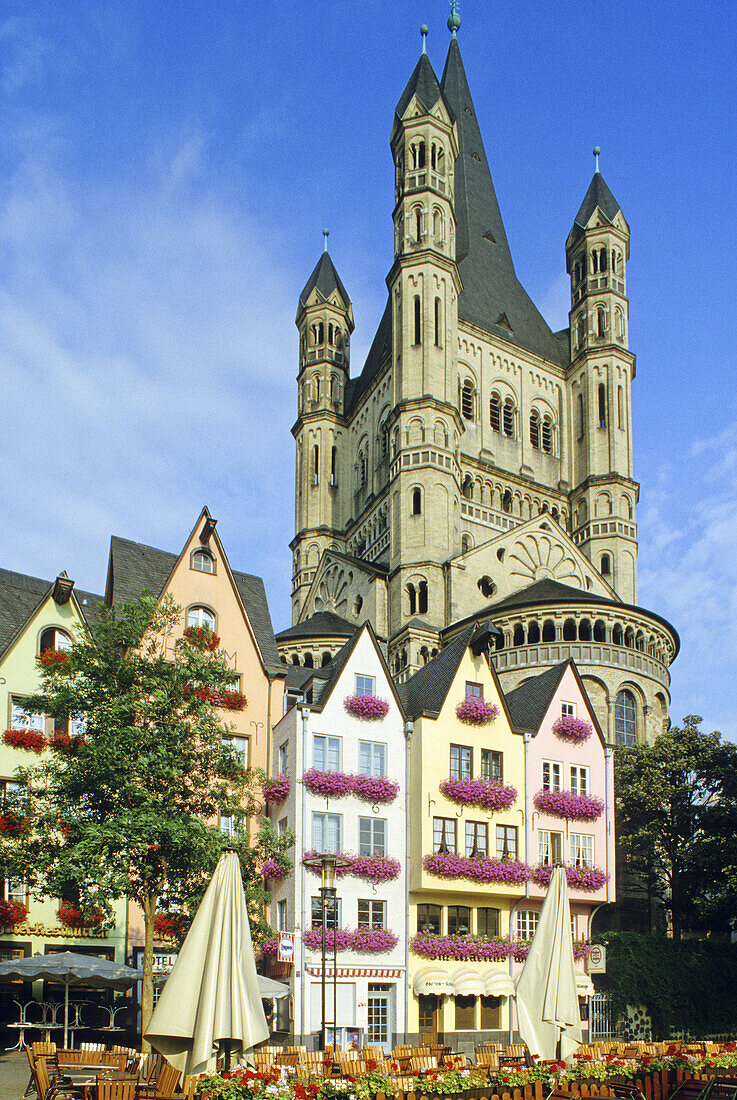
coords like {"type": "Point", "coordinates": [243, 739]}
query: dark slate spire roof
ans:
{"type": "Point", "coordinates": [528, 703]}
{"type": "Point", "coordinates": [491, 289]}
{"type": "Point", "coordinates": [326, 279]}
{"type": "Point", "coordinates": [599, 195]}
{"type": "Point", "coordinates": [424, 84]}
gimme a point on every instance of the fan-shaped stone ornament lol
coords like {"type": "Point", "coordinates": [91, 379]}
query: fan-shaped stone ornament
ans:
{"type": "Point", "coordinates": [334, 591]}
{"type": "Point", "coordinates": [537, 556]}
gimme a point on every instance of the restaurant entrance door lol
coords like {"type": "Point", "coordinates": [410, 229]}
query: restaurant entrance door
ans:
{"type": "Point", "coordinates": [428, 1018]}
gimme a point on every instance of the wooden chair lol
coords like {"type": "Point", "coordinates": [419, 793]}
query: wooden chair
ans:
{"type": "Point", "coordinates": [46, 1089]}
{"type": "Point", "coordinates": [116, 1088]}
{"type": "Point", "coordinates": [165, 1085]}
{"type": "Point", "coordinates": [92, 1046]}
{"type": "Point", "coordinates": [45, 1050]}
{"type": "Point", "coordinates": [489, 1059]}
{"type": "Point", "coordinates": [189, 1084]}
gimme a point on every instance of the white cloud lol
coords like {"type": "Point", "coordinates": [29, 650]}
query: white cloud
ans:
{"type": "Point", "coordinates": [147, 363]}
{"type": "Point", "coordinates": [555, 302]}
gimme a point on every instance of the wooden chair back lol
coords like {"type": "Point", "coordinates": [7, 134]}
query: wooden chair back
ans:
{"type": "Point", "coordinates": [153, 1067]}
{"type": "Point", "coordinates": [455, 1061]}
{"type": "Point", "coordinates": [118, 1061]}
{"type": "Point", "coordinates": [92, 1046]}
{"type": "Point", "coordinates": [376, 1054]}
{"type": "Point", "coordinates": [422, 1061]}
{"type": "Point", "coordinates": [44, 1049]}
{"type": "Point", "coordinates": [515, 1050]}
{"type": "Point", "coordinates": [116, 1088]}
{"type": "Point", "coordinates": [488, 1058]}
{"type": "Point", "coordinates": [41, 1078]}
{"type": "Point", "coordinates": [79, 1057]}
{"type": "Point", "coordinates": [167, 1081]}
{"type": "Point", "coordinates": [189, 1084]}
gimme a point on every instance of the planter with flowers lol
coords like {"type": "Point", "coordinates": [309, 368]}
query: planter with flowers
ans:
{"type": "Point", "coordinates": [572, 729]}
{"type": "Point", "coordinates": [491, 794]}
{"type": "Point", "coordinates": [367, 707]}
{"type": "Point", "coordinates": [578, 878]}
{"type": "Point", "coordinates": [371, 868]}
{"type": "Point", "coordinates": [328, 784]}
{"type": "Point", "coordinates": [170, 925]}
{"type": "Point", "coordinates": [13, 825]}
{"type": "Point", "coordinates": [276, 788]}
{"type": "Point", "coordinates": [228, 700]}
{"type": "Point", "coordinates": [12, 912]}
{"type": "Point", "coordinates": [362, 940]}
{"type": "Point", "coordinates": [72, 916]}
{"type": "Point", "coordinates": [202, 637]}
{"type": "Point", "coordinates": [53, 658]}
{"type": "Point", "coordinates": [474, 710]}
{"type": "Point", "coordinates": [566, 804]}
{"type": "Point", "coordinates": [449, 865]}
{"type": "Point", "coordinates": [273, 869]}
{"type": "Point", "coordinates": [28, 739]}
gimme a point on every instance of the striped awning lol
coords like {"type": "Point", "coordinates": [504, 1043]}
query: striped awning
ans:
{"type": "Point", "coordinates": [433, 979]}
{"type": "Point", "coordinates": [469, 983]}
{"type": "Point", "coordinates": [498, 983]}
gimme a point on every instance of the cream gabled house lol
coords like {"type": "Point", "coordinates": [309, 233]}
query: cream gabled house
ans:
{"type": "Point", "coordinates": [480, 465]}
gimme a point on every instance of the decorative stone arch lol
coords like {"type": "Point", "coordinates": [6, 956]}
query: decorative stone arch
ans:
{"type": "Point", "coordinates": [625, 506]}
{"type": "Point", "coordinates": [440, 434]}
{"type": "Point", "coordinates": [415, 431]}
{"type": "Point", "coordinates": [603, 504]}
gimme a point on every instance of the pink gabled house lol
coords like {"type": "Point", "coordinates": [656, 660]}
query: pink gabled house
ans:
{"type": "Point", "coordinates": [568, 800]}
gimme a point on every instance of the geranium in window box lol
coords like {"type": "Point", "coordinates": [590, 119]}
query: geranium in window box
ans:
{"type": "Point", "coordinates": [489, 793]}
{"type": "Point", "coordinates": [368, 707]}
{"type": "Point", "coordinates": [578, 878]}
{"type": "Point", "coordinates": [374, 868]}
{"type": "Point", "coordinates": [272, 869]}
{"type": "Point", "coordinates": [64, 742]}
{"type": "Point", "coordinates": [28, 739]}
{"type": "Point", "coordinates": [311, 857]}
{"type": "Point", "coordinates": [474, 710]}
{"type": "Point", "coordinates": [12, 912]}
{"type": "Point", "coordinates": [375, 788]}
{"type": "Point", "coordinates": [373, 940]}
{"type": "Point", "coordinates": [450, 865]}
{"type": "Point", "coordinates": [170, 924]}
{"type": "Point", "coordinates": [335, 939]}
{"type": "Point", "coordinates": [53, 658]}
{"type": "Point", "coordinates": [13, 825]}
{"type": "Point", "coordinates": [276, 788]}
{"type": "Point", "coordinates": [328, 784]}
{"type": "Point", "coordinates": [228, 700]}
{"type": "Point", "coordinates": [566, 804]}
{"type": "Point", "coordinates": [572, 729]}
{"type": "Point", "coordinates": [74, 917]}
{"type": "Point", "coordinates": [203, 637]}
{"type": "Point", "coordinates": [463, 946]}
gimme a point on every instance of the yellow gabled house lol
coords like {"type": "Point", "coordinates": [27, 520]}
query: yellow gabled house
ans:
{"type": "Point", "coordinates": [35, 616]}
{"type": "Point", "coordinates": [466, 840]}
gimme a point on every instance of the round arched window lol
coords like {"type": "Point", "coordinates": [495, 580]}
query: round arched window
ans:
{"type": "Point", "coordinates": [203, 561]}
{"type": "Point", "coordinates": [625, 718]}
{"type": "Point", "coordinates": [53, 638]}
{"type": "Point", "coordinates": [201, 616]}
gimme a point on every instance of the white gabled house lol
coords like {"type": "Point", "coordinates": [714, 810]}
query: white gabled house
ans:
{"type": "Point", "coordinates": [347, 764]}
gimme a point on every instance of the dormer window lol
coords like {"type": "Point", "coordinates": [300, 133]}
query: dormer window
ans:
{"type": "Point", "coordinates": [201, 616]}
{"type": "Point", "coordinates": [53, 638]}
{"type": "Point", "coordinates": [202, 561]}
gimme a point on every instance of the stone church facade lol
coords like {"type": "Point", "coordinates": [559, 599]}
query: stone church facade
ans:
{"type": "Point", "coordinates": [480, 465]}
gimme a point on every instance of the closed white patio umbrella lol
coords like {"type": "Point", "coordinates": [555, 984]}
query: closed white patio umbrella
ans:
{"type": "Point", "coordinates": [211, 998]}
{"type": "Point", "coordinates": [547, 998]}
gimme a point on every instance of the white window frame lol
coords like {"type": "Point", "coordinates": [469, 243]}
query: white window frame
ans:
{"type": "Point", "coordinates": [479, 830]}
{"type": "Point", "coordinates": [281, 915]}
{"type": "Point", "coordinates": [330, 745]}
{"type": "Point", "coordinates": [374, 845]}
{"type": "Point", "coordinates": [376, 909]}
{"type": "Point", "coordinates": [377, 757]}
{"type": "Point", "coordinates": [22, 721]}
{"type": "Point", "coordinates": [239, 745]}
{"type": "Point", "coordinates": [581, 849]}
{"type": "Point", "coordinates": [546, 846]}
{"type": "Point", "coordinates": [580, 779]}
{"type": "Point", "coordinates": [554, 770]}
{"type": "Point", "coordinates": [284, 758]}
{"type": "Point", "coordinates": [568, 710]}
{"type": "Point", "coordinates": [322, 818]}
{"type": "Point", "coordinates": [200, 616]}
{"type": "Point", "coordinates": [527, 922]}
{"type": "Point", "coordinates": [365, 685]}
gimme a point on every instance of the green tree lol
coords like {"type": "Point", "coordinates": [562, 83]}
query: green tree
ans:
{"type": "Point", "coordinates": [123, 809]}
{"type": "Point", "coordinates": [676, 817]}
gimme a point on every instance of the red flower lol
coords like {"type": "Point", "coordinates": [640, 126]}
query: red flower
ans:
{"type": "Point", "coordinates": [51, 658]}
{"type": "Point", "coordinates": [371, 1065]}
{"type": "Point", "coordinates": [32, 740]}
{"type": "Point", "coordinates": [394, 1067]}
{"type": "Point", "coordinates": [300, 1092]}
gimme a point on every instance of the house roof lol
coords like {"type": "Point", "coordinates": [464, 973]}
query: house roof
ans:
{"type": "Point", "coordinates": [426, 691]}
{"type": "Point", "coordinates": [528, 703]}
{"type": "Point", "coordinates": [20, 595]}
{"type": "Point", "coordinates": [325, 279]}
{"type": "Point", "coordinates": [135, 568]}
{"type": "Point", "coordinates": [598, 195]}
{"type": "Point", "coordinates": [424, 84]}
{"type": "Point", "coordinates": [323, 624]}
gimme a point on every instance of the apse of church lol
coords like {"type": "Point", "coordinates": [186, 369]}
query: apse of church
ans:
{"type": "Point", "coordinates": [480, 465]}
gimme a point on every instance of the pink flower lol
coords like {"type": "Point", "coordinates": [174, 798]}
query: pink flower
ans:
{"type": "Point", "coordinates": [272, 870]}
{"type": "Point", "coordinates": [579, 878]}
{"type": "Point", "coordinates": [489, 793]}
{"type": "Point", "coordinates": [475, 711]}
{"type": "Point", "coordinates": [375, 788]}
{"type": "Point", "coordinates": [368, 707]}
{"type": "Point", "coordinates": [276, 789]}
{"type": "Point", "coordinates": [569, 728]}
{"type": "Point", "coordinates": [373, 868]}
{"type": "Point", "coordinates": [363, 940]}
{"type": "Point", "coordinates": [339, 784]}
{"type": "Point", "coordinates": [575, 807]}
{"type": "Point", "coordinates": [450, 865]}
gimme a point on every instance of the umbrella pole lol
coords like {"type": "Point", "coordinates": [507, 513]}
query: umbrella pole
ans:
{"type": "Point", "coordinates": [66, 1015]}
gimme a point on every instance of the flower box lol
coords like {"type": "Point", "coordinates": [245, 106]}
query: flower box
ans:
{"type": "Point", "coordinates": [362, 940]}
{"type": "Point", "coordinates": [73, 917]}
{"type": "Point", "coordinates": [31, 740]}
{"type": "Point", "coordinates": [450, 865]}
{"type": "Point", "coordinates": [369, 708]}
{"type": "Point", "coordinates": [339, 784]}
{"type": "Point", "coordinates": [228, 700]}
{"type": "Point", "coordinates": [474, 710]}
{"type": "Point", "coordinates": [272, 869]}
{"type": "Point", "coordinates": [53, 658]}
{"type": "Point", "coordinates": [371, 868]}
{"type": "Point", "coordinates": [202, 637]}
{"type": "Point", "coordinates": [572, 729]}
{"type": "Point", "coordinates": [377, 788]}
{"type": "Point", "coordinates": [12, 825]}
{"type": "Point", "coordinates": [566, 804]}
{"type": "Point", "coordinates": [276, 789]}
{"type": "Point", "coordinates": [578, 878]}
{"type": "Point", "coordinates": [491, 794]}
{"type": "Point", "coordinates": [12, 912]}
{"type": "Point", "coordinates": [170, 924]}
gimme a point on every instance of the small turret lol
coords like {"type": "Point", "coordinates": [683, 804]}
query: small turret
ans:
{"type": "Point", "coordinates": [325, 323]}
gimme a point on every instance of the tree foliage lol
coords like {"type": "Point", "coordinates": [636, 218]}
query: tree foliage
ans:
{"type": "Point", "coordinates": [129, 809]}
{"type": "Point", "coordinates": [676, 806]}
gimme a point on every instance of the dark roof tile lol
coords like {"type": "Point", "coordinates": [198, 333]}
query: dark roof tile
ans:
{"type": "Point", "coordinates": [325, 279]}
{"type": "Point", "coordinates": [528, 703]}
{"type": "Point", "coordinates": [323, 624]}
{"type": "Point", "coordinates": [598, 195]}
{"type": "Point", "coordinates": [426, 691]}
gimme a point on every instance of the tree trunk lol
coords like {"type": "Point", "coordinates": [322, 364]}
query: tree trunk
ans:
{"type": "Point", "coordinates": [147, 985]}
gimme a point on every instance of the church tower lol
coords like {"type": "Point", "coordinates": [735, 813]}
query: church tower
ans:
{"type": "Point", "coordinates": [602, 368]}
{"type": "Point", "coordinates": [325, 323]}
{"type": "Point", "coordinates": [424, 287]}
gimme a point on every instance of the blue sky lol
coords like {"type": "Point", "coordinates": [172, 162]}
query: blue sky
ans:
{"type": "Point", "coordinates": [165, 174]}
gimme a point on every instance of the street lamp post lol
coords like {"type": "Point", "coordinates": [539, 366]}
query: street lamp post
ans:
{"type": "Point", "coordinates": [328, 863]}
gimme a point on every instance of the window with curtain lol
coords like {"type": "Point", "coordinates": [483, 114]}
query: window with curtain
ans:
{"type": "Point", "coordinates": [552, 775]}
{"type": "Point", "coordinates": [582, 849]}
{"type": "Point", "coordinates": [477, 833]}
{"type": "Point", "coordinates": [327, 832]}
{"type": "Point", "coordinates": [371, 758]}
{"type": "Point", "coordinates": [326, 753]}
{"type": "Point", "coordinates": [460, 761]}
{"type": "Point", "coordinates": [372, 836]}
{"type": "Point", "coordinates": [444, 829]}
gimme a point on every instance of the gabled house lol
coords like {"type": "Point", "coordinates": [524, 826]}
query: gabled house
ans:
{"type": "Point", "coordinates": [343, 748]}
